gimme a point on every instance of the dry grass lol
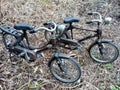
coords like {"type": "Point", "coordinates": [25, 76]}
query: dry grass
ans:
{"type": "Point", "coordinates": [22, 75]}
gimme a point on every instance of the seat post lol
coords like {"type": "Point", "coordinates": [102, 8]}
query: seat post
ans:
{"type": "Point", "coordinates": [71, 27]}
{"type": "Point", "coordinates": [26, 37]}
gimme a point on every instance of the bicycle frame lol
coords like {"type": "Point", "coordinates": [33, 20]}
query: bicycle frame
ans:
{"type": "Point", "coordinates": [98, 32]}
{"type": "Point", "coordinates": [28, 51]}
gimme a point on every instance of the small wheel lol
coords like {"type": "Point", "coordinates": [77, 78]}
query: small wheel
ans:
{"type": "Point", "coordinates": [66, 70]}
{"type": "Point", "coordinates": [11, 40]}
{"type": "Point", "coordinates": [8, 40]}
{"type": "Point", "coordinates": [104, 53]}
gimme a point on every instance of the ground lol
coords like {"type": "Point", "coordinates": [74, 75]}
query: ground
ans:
{"type": "Point", "coordinates": [20, 74]}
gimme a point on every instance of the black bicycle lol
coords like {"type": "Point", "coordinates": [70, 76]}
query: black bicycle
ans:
{"type": "Point", "coordinates": [62, 66]}
{"type": "Point", "coordinates": [102, 50]}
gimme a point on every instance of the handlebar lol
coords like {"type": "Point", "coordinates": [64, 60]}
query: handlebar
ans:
{"type": "Point", "coordinates": [89, 22]}
{"type": "Point", "coordinates": [52, 28]}
{"type": "Point", "coordinates": [100, 20]}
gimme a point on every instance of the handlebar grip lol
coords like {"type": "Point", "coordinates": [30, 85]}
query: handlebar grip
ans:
{"type": "Point", "coordinates": [45, 24]}
{"type": "Point", "coordinates": [48, 23]}
{"type": "Point", "coordinates": [89, 22]}
{"type": "Point", "coordinates": [90, 13]}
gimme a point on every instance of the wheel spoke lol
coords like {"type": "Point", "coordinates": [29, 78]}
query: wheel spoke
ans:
{"type": "Point", "coordinates": [65, 70]}
{"type": "Point", "coordinates": [104, 54]}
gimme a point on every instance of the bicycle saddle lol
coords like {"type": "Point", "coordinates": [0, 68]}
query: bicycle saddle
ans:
{"type": "Point", "coordinates": [23, 26]}
{"type": "Point", "coordinates": [71, 19]}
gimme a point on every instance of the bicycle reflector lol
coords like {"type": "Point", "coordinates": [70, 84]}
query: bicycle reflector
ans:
{"type": "Point", "coordinates": [107, 20]}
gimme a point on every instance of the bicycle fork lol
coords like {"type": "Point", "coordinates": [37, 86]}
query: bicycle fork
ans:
{"type": "Point", "coordinates": [101, 46]}
{"type": "Point", "coordinates": [62, 65]}
{"type": "Point", "coordinates": [58, 56]}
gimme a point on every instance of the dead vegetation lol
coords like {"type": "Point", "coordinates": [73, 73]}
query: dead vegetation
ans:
{"type": "Point", "coordinates": [19, 74]}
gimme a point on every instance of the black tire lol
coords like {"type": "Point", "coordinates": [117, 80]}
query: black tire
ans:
{"type": "Point", "coordinates": [66, 70]}
{"type": "Point", "coordinates": [110, 52]}
{"type": "Point", "coordinates": [8, 39]}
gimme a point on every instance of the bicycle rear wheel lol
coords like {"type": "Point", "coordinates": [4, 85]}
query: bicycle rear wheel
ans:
{"type": "Point", "coordinates": [8, 40]}
{"type": "Point", "coordinates": [66, 70]}
{"type": "Point", "coordinates": [104, 53]}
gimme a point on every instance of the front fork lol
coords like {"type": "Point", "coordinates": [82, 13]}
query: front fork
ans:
{"type": "Point", "coordinates": [101, 46]}
{"type": "Point", "coordinates": [62, 65]}
{"type": "Point", "coordinates": [58, 56]}
{"type": "Point", "coordinates": [61, 62]}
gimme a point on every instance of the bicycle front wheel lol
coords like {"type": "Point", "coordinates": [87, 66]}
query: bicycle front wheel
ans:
{"type": "Point", "coordinates": [66, 70]}
{"type": "Point", "coordinates": [104, 53]}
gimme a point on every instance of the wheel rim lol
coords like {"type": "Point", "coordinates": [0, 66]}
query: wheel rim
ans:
{"type": "Point", "coordinates": [69, 73]}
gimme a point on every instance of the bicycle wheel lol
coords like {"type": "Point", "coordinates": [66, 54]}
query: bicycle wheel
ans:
{"type": "Point", "coordinates": [11, 40]}
{"type": "Point", "coordinates": [104, 53]}
{"type": "Point", "coordinates": [66, 70]}
{"type": "Point", "coordinates": [8, 40]}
